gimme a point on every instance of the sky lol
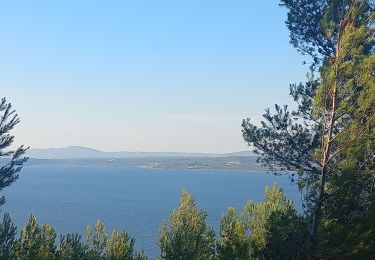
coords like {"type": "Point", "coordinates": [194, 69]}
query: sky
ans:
{"type": "Point", "coordinates": [144, 75]}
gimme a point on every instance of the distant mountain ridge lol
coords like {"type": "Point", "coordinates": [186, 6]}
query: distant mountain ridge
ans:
{"type": "Point", "coordinates": [79, 152]}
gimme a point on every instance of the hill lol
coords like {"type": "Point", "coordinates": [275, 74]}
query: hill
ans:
{"type": "Point", "coordinates": [79, 152]}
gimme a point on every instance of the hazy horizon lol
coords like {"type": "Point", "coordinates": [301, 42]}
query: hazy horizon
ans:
{"type": "Point", "coordinates": [144, 76]}
{"type": "Point", "coordinates": [250, 150]}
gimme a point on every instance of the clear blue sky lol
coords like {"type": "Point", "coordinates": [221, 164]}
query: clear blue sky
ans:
{"type": "Point", "coordinates": [143, 75]}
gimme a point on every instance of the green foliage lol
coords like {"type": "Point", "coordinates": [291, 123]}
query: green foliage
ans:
{"type": "Point", "coordinates": [139, 256]}
{"type": "Point", "coordinates": [14, 158]}
{"type": "Point", "coordinates": [35, 242]}
{"type": "Point", "coordinates": [329, 140]}
{"type": "Point", "coordinates": [71, 247]}
{"type": "Point", "coordinates": [261, 232]}
{"type": "Point", "coordinates": [305, 20]}
{"type": "Point", "coordinates": [119, 246]}
{"type": "Point", "coordinates": [233, 242]}
{"type": "Point", "coordinates": [327, 144]}
{"type": "Point", "coordinates": [185, 235]}
{"type": "Point", "coordinates": [350, 241]}
{"type": "Point", "coordinates": [39, 242]}
{"type": "Point", "coordinates": [114, 246]}
{"type": "Point", "coordinates": [8, 233]}
{"type": "Point", "coordinates": [256, 214]}
{"type": "Point", "coordinates": [96, 239]}
{"type": "Point", "coordinates": [271, 229]}
{"type": "Point", "coordinates": [286, 236]}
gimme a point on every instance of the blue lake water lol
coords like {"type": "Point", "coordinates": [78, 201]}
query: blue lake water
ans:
{"type": "Point", "coordinates": [138, 200]}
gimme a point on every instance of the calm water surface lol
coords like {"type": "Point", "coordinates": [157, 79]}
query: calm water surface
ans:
{"type": "Point", "coordinates": [135, 199]}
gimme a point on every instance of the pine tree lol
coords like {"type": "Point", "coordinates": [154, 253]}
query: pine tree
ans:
{"type": "Point", "coordinates": [101, 245]}
{"type": "Point", "coordinates": [12, 160]}
{"type": "Point", "coordinates": [329, 140]}
{"type": "Point", "coordinates": [233, 242]}
{"type": "Point", "coordinates": [119, 246]}
{"type": "Point", "coordinates": [286, 236]}
{"type": "Point", "coordinates": [35, 242]}
{"type": "Point", "coordinates": [8, 233]}
{"type": "Point", "coordinates": [256, 216]}
{"type": "Point", "coordinates": [270, 229]}
{"type": "Point", "coordinates": [185, 235]}
{"type": "Point", "coordinates": [71, 247]}
{"type": "Point", "coordinates": [96, 240]}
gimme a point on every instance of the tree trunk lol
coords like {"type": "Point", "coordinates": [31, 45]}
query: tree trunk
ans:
{"type": "Point", "coordinates": [326, 148]}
